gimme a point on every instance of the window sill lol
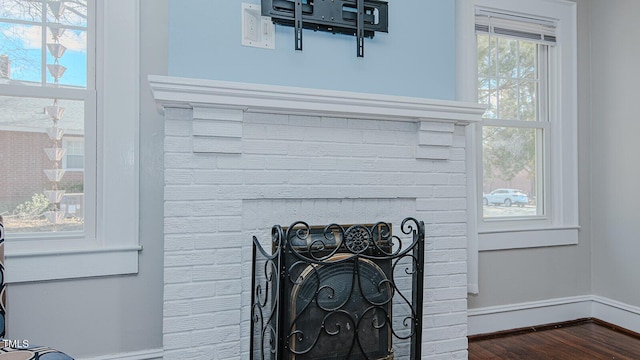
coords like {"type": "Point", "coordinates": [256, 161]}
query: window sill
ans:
{"type": "Point", "coordinates": [70, 263]}
{"type": "Point", "coordinates": [527, 238]}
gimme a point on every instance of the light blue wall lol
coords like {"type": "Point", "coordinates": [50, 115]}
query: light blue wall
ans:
{"type": "Point", "coordinates": [416, 58]}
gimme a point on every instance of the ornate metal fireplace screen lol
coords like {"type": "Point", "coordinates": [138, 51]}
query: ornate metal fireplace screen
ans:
{"type": "Point", "coordinates": [338, 292]}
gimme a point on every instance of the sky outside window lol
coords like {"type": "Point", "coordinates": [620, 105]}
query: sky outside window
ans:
{"type": "Point", "coordinates": [23, 29]}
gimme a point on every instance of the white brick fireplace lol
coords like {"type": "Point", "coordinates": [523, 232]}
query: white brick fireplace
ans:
{"type": "Point", "coordinates": [240, 158]}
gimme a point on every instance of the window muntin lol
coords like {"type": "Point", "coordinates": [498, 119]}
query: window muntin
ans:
{"type": "Point", "coordinates": [512, 83]}
{"type": "Point", "coordinates": [45, 51]}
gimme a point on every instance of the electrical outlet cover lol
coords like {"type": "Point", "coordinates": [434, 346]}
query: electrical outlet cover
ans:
{"type": "Point", "coordinates": [257, 30]}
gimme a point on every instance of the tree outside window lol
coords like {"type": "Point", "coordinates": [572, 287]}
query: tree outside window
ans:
{"type": "Point", "coordinates": [511, 83]}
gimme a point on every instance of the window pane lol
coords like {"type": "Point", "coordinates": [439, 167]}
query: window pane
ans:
{"type": "Point", "coordinates": [515, 74]}
{"type": "Point", "coordinates": [511, 160]}
{"type": "Point", "coordinates": [74, 159]}
{"type": "Point", "coordinates": [74, 57]}
{"type": "Point", "coordinates": [36, 193]}
{"type": "Point", "coordinates": [527, 55]}
{"type": "Point", "coordinates": [487, 95]}
{"type": "Point", "coordinates": [20, 53]}
{"type": "Point", "coordinates": [75, 162]}
{"type": "Point", "coordinates": [508, 99]}
{"type": "Point", "coordinates": [528, 101]}
{"type": "Point", "coordinates": [67, 12]}
{"type": "Point", "coordinates": [486, 55]}
{"type": "Point", "coordinates": [38, 52]}
{"type": "Point", "coordinates": [507, 58]}
{"type": "Point", "coordinates": [21, 10]}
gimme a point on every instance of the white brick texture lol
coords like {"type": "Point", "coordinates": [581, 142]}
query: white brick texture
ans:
{"type": "Point", "coordinates": [230, 175]}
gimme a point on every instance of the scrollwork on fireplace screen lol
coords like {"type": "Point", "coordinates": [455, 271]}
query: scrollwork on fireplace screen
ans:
{"type": "Point", "coordinates": [338, 292]}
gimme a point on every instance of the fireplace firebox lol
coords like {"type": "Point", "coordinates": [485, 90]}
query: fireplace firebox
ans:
{"type": "Point", "coordinates": [338, 292]}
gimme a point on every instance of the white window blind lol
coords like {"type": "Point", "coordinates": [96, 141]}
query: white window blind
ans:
{"type": "Point", "coordinates": [511, 25]}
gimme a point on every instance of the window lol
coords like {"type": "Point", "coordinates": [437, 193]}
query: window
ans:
{"type": "Point", "coordinates": [74, 155]}
{"type": "Point", "coordinates": [47, 88]}
{"type": "Point", "coordinates": [513, 83]}
{"type": "Point", "coordinates": [67, 93]}
{"type": "Point", "coordinates": [519, 59]}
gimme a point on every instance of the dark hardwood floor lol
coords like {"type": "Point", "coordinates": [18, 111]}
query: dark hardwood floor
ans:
{"type": "Point", "coordinates": [584, 340]}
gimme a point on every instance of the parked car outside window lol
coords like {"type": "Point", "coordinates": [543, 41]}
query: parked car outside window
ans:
{"type": "Point", "coordinates": [506, 197]}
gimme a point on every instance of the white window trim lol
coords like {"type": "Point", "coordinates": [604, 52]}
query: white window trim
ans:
{"type": "Point", "coordinates": [113, 247]}
{"type": "Point", "coordinates": [562, 225]}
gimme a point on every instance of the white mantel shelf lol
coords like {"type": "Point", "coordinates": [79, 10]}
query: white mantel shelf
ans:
{"type": "Point", "coordinates": [191, 93]}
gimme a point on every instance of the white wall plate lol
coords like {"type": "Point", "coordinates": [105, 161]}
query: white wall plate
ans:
{"type": "Point", "coordinates": [257, 30]}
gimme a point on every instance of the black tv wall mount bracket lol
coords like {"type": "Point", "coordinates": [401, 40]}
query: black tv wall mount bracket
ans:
{"type": "Point", "coordinates": [361, 18]}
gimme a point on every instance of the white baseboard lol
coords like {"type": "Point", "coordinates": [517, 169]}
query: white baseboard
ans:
{"type": "Point", "coordinates": [514, 316]}
{"type": "Point", "coordinates": [151, 354]}
{"type": "Point", "coordinates": [616, 313]}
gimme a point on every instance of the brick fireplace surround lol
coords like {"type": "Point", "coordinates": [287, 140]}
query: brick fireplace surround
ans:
{"type": "Point", "coordinates": [240, 158]}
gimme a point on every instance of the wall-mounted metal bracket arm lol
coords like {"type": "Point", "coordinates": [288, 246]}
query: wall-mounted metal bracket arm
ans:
{"type": "Point", "coordinates": [360, 27]}
{"type": "Point", "coordinates": [298, 24]}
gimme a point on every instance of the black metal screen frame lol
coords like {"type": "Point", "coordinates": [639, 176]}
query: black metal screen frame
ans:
{"type": "Point", "coordinates": [273, 330]}
{"type": "Point", "coordinates": [361, 18]}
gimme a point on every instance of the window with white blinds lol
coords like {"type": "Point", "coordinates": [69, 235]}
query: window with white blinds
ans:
{"type": "Point", "coordinates": [518, 58]}
{"type": "Point", "coordinates": [513, 83]}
